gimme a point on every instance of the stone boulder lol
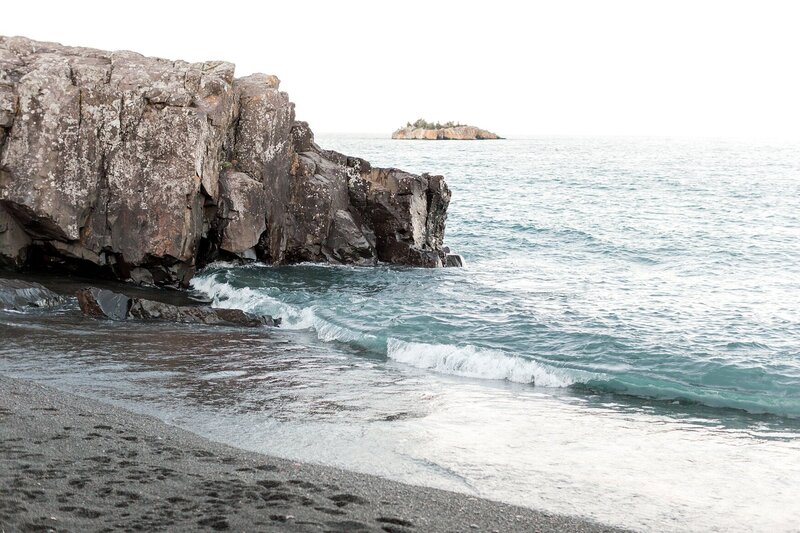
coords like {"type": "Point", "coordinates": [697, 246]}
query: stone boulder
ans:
{"type": "Point", "coordinates": [453, 260]}
{"type": "Point", "coordinates": [118, 165]}
{"type": "Point", "coordinates": [102, 303]}
{"type": "Point", "coordinates": [19, 295]}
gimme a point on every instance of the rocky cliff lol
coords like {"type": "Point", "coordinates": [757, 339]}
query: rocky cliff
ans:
{"type": "Point", "coordinates": [112, 163]}
{"type": "Point", "coordinates": [454, 133]}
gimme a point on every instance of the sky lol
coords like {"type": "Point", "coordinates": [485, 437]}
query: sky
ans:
{"type": "Point", "coordinates": [666, 68]}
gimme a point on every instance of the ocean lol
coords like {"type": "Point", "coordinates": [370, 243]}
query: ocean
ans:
{"type": "Point", "coordinates": [623, 342]}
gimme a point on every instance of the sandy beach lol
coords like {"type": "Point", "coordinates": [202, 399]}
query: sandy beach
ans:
{"type": "Point", "coordinates": [74, 464]}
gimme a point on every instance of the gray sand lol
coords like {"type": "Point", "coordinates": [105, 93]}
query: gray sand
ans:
{"type": "Point", "coordinates": [73, 464]}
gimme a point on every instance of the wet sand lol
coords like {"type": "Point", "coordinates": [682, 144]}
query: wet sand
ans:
{"type": "Point", "coordinates": [73, 464]}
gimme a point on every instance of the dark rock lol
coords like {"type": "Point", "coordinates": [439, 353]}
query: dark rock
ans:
{"type": "Point", "coordinates": [142, 276]}
{"type": "Point", "coordinates": [453, 260]}
{"type": "Point", "coordinates": [320, 224]}
{"type": "Point", "coordinates": [102, 303]}
{"type": "Point", "coordinates": [17, 294]}
{"type": "Point", "coordinates": [340, 209]}
{"type": "Point", "coordinates": [240, 318]}
{"type": "Point", "coordinates": [151, 310]}
{"type": "Point", "coordinates": [14, 241]}
{"type": "Point", "coordinates": [302, 137]}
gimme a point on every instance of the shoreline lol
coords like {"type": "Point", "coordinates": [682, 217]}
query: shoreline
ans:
{"type": "Point", "coordinates": [76, 464]}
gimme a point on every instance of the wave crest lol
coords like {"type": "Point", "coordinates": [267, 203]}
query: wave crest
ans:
{"type": "Point", "coordinates": [473, 362]}
{"type": "Point", "coordinates": [223, 294]}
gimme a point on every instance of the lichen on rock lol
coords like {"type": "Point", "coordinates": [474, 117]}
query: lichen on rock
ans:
{"type": "Point", "coordinates": [116, 164]}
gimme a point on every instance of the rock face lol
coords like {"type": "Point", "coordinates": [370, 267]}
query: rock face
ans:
{"type": "Point", "coordinates": [341, 209]}
{"type": "Point", "coordinates": [17, 294]}
{"type": "Point", "coordinates": [102, 303]}
{"type": "Point", "coordinates": [455, 133]}
{"type": "Point", "coordinates": [116, 164]}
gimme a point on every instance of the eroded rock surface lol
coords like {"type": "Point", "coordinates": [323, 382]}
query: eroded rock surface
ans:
{"type": "Point", "coordinates": [341, 209]}
{"type": "Point", "coordinates": [102, 303]}
{"type": "Point", "coordinates": [17, 294]}
{"type": "Point", "coordinates": [142, 168]}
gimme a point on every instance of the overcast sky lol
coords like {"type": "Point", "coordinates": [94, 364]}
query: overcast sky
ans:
{"type": "Point", "coordinates": [694, 68]}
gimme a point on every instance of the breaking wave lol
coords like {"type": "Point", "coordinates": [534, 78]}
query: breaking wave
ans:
{"type": "Point", "coordinates": [258, 301]}
{"type": "Point", "coordinates": [714, 384]}
{"type": "Point", "coordinates": [474, 362]}
{"type": "Point", "coordinates": [466, 361]}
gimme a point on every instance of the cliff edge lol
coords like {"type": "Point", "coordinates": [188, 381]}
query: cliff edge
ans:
{"type": "Point", "coordinates": [454, 133]}
{"type": "Point", "coordinates": [116, 164]}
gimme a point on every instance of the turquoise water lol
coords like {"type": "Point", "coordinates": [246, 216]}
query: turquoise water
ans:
{"type": "Point", "coordinates": [623, 343]}
{"type": "Point", "coordinates": [655, 269]}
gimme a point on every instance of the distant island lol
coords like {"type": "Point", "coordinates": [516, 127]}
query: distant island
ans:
{"type": "Point", "coordinates": [449, 131]}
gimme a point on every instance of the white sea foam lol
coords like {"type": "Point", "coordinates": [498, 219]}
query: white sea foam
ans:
{"type": "Point", "coordinates": [467, 361]}
{"type": "Point", "coordinates": [223, 374]}
{"type": "Point", "coordinates": [223, 294]}
{"type": "Point", "coordinates": [471, 361]}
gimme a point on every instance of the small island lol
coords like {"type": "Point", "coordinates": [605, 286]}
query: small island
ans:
{"type": "Point", "coordinates": [449, 131]}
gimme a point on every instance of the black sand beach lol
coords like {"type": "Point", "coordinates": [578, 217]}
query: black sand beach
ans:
{"type": "Point", "coordinates": [74, 464]}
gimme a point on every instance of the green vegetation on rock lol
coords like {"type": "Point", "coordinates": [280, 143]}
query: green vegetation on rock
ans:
{"type": "Point", "coordinates": [422, 123]}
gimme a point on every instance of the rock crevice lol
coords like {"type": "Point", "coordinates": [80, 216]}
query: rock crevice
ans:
{"type": "Point", "coordinates": [142, 168]}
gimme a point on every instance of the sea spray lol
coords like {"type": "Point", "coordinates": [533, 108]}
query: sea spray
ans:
{"type": "Point", "coordinates": [474, 362]}
{"type": "Point", "coordinates": [257, 300]}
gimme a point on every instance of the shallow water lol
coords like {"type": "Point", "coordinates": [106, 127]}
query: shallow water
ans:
{"type": "Point", "coordinates": [622, 344]}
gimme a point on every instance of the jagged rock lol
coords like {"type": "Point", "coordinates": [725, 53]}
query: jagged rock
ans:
{"type": "Point", "coordinates": [321, 224]}
{"type": "Point", "coordinates": [142, 276]}
{"type": "Point", "coordinates": [102, 303]}
{"type": "Point", "coordinates": [453, 260]}
{"type": "Point", "coordinates": [243, 207]}
{"type": "Point", "coordinates": [17, 294]}
{"type": "Point", "coordinates": [14, 241]}
{"type": "Point", "coordinates": [240, 318]}
{"type": "Point", "coordinates": [113, 153]}
{"type": "Point", "coordinates": [344, 210]}
{"type": "Point", "coordinates": [407, 213]}
{"type": "Point", "coordinates": [262, 148]}
{"type": "Point", "coordinates": [454, 133]}
{"type": "Point", "coordinates": [151, 310]}
{"type": "Point", "coordinates": [8, 108]}
{"type": "Point", "coordinates": [264, 122]}
{"type": "Point", "coordinates": [144, 168]}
